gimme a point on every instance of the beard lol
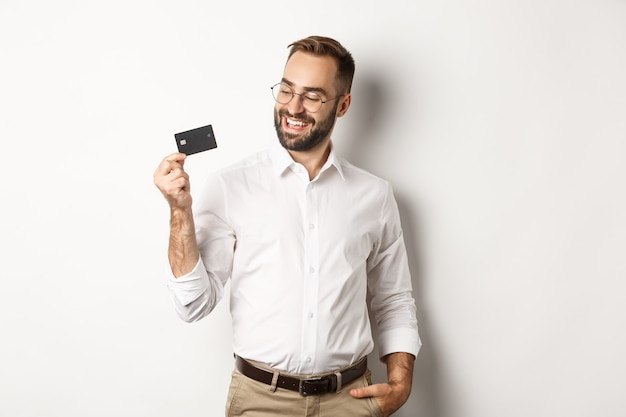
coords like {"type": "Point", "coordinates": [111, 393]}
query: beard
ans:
{"type": "Point", "coordinates": [320, 130]}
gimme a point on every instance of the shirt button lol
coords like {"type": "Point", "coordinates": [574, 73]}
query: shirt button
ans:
{"type": "Point", "coordinates": [308, 359]}
{"type": "Point", "coordinates": [311, 315]}
{"type": "Point", "coordinates": [311, 226]}
{"type": "Point", "coordinates": [312, 270]}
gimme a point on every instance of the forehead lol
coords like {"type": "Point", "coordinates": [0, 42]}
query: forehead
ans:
{"type": "Point", "coordinates": [312, 71]}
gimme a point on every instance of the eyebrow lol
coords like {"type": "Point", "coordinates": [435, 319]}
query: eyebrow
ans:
{"type": "Point", "coordinates": [316, 89]}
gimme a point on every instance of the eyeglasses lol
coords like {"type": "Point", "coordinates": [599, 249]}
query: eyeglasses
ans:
{"type": "Point", "coordinates": [311, 101]}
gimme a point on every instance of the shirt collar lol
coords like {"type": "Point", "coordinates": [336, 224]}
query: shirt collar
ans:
{"type": "Point", "coordinates": [281, 160]}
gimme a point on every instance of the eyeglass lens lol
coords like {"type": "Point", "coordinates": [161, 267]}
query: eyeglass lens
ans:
{"type": "Point", "coordinates": [283, 94]}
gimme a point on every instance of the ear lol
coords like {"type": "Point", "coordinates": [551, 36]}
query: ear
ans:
{"type": "Point", "coordinates": [344, 104]}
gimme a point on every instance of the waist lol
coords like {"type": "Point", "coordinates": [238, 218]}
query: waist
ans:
{"type": "Point", "coordinates": [325, 360]}
{"type": "Point", "coordinates": [304, 384]}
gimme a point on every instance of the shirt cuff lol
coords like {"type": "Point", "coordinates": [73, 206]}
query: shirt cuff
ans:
{"type": "Point", "coordinates": [189, 287]}
{"type": "Point", "coordinates": [399, 340]}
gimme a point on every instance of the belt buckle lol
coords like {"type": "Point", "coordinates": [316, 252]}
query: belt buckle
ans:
{"type": "Point", "coordinates": [312, 390]}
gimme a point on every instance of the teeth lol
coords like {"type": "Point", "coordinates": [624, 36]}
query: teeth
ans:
{"type": "Point", "coordinates": [292, 122]}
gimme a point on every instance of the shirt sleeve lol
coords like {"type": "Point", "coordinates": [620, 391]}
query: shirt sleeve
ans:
{"type": "Point", "coordinates": [197, 293]}
{"type": "Point", "coordinates": [193, 295]}
{"type": "Point", "coordinates": [389, 282]}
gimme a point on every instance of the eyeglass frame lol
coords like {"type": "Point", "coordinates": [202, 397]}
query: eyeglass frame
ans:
{"type": "Point", "coordinates": [293, 94]}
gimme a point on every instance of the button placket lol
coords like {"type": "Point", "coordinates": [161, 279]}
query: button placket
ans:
{"type": "Point", "coordinates": [311, 284]}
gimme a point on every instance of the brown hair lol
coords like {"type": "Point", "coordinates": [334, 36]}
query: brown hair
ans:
{"type": "Point", "coordinates": [322, 46]}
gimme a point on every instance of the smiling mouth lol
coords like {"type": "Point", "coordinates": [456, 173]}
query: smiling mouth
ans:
{"type": "Point", "coordinates": [295, 123]}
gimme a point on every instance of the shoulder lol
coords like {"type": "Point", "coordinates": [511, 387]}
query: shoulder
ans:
{"type": "Point", "coordinates": [252, 165]}
{"type": "Point", "coordinates": [253, 161]}
{"type": "Point", "coordinates": [239, 177]}
{"type": "Point", "coordinates": [357, 176]}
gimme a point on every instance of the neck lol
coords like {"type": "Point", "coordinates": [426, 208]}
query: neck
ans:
{"type": "Point", "coordinates": [313, 159]}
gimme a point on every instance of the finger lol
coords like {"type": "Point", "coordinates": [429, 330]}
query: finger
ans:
{"type": "Point", "coordinates": [174, 160]}
{"type": "Point", "coordinates": [177, 172]}
{"type": "Point", "coordinates": [176, 156]}
{"type": "Point", "coordinates": [166, 175]}
{"type": "Point", "coordinates": [172, 183]}
{"type": "Point", "coordinates": [170, 162]}
{"type": "Point", "coordinates": [376, 390]}
{"type": "Point", "coordinates": [176, 186]}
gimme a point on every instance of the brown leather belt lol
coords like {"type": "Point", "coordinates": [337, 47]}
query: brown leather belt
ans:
{"type": "Point", "coordinates": [305, 386]}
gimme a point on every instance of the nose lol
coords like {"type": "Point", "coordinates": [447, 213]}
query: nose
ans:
{"type": "Point", "coordinates": [295, 106]}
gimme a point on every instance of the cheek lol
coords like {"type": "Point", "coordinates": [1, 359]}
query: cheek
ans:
{"type": "Point", "coordinates": [277, 114]}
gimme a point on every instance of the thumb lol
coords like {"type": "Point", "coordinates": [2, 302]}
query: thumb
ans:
{"type": "Point", "coordinates": [376, 390]}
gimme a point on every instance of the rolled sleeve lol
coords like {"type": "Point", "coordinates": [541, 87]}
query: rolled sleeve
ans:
{"type": "Point", "coordinates": [195, 294]}
{"type": "Point", "coordinates": [191, 286]}
{"type": "Point", "coordinates": [390, 287]}
{"type": "Point", "coordinates": [399, 340]}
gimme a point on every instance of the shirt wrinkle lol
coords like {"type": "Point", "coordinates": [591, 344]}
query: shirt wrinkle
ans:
{"type": "Point", "coordinates": [295, 256]}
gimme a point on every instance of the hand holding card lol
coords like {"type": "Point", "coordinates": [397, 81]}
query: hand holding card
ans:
{"type": "Point", "coordinates": [196, 140]}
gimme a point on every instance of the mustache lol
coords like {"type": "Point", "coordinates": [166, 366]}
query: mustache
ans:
{"type": "Point", "coordinates": [300, 116]}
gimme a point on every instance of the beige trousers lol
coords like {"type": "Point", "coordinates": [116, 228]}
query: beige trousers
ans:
{"type": "Point", "coordinates": [250, 398]}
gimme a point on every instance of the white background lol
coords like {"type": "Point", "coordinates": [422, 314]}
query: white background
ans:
{"type": "Point", "coordinates": [501, 124]}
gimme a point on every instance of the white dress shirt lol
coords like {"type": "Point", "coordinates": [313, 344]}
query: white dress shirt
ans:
{"type": "Point", "coordinates": [301, 256]}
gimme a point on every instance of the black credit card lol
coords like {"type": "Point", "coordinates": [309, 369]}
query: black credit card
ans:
{"type": "Point", "coordinates": [196, 140]}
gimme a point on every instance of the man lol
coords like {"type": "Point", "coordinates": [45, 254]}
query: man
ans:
{"type": "Point", "coordinates": [303, 235]}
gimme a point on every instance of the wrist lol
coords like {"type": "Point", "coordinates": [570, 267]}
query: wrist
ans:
{"type": "Point", "coordinates": [400, 370]}
{"type": "Point", "coordinates": [181, 219]}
